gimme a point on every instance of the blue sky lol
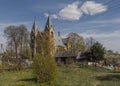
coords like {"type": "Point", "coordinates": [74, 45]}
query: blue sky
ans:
{"type": "Point", "coordinates": [97, 18]}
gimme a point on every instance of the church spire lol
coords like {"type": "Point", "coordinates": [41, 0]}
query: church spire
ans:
{"type": "Point", "coordinates": [33, 39]}
{"type": "Point", "coordinates": [34, 28]}
{"type": "Point", "coordinates": [48, 24]}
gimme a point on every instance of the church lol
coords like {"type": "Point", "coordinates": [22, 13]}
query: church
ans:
{"type": "Point", "coordinates": [59, 43]}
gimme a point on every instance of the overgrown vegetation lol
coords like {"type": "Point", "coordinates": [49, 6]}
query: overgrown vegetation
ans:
{"type": "Point", "coordinates": [113, 59]}
{"type": "Point", "coordinates": [45, 69]}
{"type": "Point", "coordinates": [44, 65]}
{"type": "Point", "coordinates": [68, 76]}
{"type": "Point", "coordinates": [17, 48]}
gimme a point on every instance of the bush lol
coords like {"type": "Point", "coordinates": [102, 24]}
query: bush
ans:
{"type": "Point", "coordinates": [45, 68]}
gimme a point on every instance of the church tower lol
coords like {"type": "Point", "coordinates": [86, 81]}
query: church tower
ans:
{"type": "Point", "coordinates": [50, 31]}
{"type": "Point", "coordinates": [33, 35]}
{"type": "Point", "coordinates": [49, 27]}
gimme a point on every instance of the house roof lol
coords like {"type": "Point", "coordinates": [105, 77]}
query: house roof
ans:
{"type": "Point", "coordinates": [58, 40]}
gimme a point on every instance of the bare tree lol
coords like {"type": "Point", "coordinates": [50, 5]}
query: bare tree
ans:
{"type": "Point", "coordinates": [24, 35]}
{"type": "Point", "coordinates": [89, 42]}
{"type": "Point", "coordinates": [77, 41]}
{"type": "Point", "coordinates": [16, 36]}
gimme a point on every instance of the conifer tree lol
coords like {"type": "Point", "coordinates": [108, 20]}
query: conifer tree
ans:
{"type": "Point", "coordinates": [97, 51]}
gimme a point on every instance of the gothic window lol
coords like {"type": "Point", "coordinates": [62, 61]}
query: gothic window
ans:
{"type": "Point", "coordinates": [52, 34]}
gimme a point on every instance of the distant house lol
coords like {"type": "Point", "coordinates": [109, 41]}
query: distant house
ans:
{"type": "Point", "coordinates": [109, 52]}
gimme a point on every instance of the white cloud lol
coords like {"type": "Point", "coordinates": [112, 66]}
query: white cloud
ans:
{"type": "Point", "coordinates": [110, 21]}
{"type": "Point", "coordinates": [75, 10]}
{"type": "Point", "coordinates": [112, 45]}
{"type": "Point", "coordinates": [92, 8]}
{"type": "Point", "coordinates": [4, 25]}
{"type": "Point", "coordinates": [46, 14]}
{"type": "Point", "coordinates": [71, 12]}
{"type": "Point", "coordinates": [54, 16]}
{"type": "Point", "coordinates": [115, 34]}
{"type": "Point", "coordinates": [109, 40]}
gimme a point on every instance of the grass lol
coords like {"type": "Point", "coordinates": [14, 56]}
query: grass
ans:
{"type": "Point", "coordinates": [68, 76]}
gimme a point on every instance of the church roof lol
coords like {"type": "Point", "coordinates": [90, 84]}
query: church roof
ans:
{"type": "Point", "coordinates": [58, 40]}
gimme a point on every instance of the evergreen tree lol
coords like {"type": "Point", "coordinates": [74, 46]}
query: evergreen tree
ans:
{"type": "Point", "coordinates": [97, 52]}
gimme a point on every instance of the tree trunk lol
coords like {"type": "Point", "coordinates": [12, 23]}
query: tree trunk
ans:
{"type": "Point", "coordinates": [16, 51]}
{"type": "Point", "coordinates": [21, 45]}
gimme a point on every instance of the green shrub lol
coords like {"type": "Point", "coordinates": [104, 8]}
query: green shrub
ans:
{"type": "Point", "coordinates": [45, 68]}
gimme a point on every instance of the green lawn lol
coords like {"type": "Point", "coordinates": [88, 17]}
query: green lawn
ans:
{"type": "Point", "coordinates": [68, 76]}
